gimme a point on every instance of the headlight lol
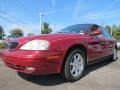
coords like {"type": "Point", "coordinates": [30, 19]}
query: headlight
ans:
{"type": "Point", "coordinates": [36, 45]}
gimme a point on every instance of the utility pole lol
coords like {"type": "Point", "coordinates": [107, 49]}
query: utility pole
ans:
{"type": "Point", "coordinates": [111, 31]}
{"type": "Point", "coordinates": [41, 14]}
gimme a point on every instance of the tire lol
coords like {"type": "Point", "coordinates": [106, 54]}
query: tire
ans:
{"type": "Point", "coordinates": [114, 56]}
{"type": "Point", "coordinates": [74, 65]}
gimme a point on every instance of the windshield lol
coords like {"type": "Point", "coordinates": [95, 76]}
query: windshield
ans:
{"type": "Point", "coordinates": [80, 29]}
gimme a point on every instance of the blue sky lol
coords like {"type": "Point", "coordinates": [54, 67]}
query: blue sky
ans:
{"type": "Point", "coordinates": [59, 13]}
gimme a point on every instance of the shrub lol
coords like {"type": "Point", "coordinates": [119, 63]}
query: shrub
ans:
{"type": "Point", "coordinates": [2, 44]}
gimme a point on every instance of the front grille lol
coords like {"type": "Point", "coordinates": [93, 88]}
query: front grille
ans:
{"type": "Point", "coordinates": [12, 45]}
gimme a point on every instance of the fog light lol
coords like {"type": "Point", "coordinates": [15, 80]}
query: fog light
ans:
{"type": "Point", "coordinates": [30, 68]}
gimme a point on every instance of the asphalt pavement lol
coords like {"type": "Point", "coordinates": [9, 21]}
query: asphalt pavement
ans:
{"type": "Point", "coordinates": [104, 75]}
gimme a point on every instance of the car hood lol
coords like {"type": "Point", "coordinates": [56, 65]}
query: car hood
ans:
{"type": "Point", "coordinates": [48, 37]}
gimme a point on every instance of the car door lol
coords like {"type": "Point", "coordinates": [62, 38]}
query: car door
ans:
{"type": "Point", "coordinates": [110, 42]}
{"type": "Point", "coordinates": [96, 46]}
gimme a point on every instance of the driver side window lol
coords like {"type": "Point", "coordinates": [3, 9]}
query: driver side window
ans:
{"type": "Point", "coordinates": [106, 34]}
{"type": "Point", "coordinates": [96, 31]}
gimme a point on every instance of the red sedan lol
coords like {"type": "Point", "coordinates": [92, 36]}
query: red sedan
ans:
{"type": "Point", "coordinates": [67, 51]}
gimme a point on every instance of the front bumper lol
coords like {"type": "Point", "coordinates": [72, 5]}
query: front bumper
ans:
{"type": "Point", "coordinates": [42, 62]}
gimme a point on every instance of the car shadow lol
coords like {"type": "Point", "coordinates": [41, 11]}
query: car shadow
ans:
{"type": "Point", "coordinates": [97, 65]}
{"type": "Point", "coordinates": [55, 79]}
{"type": "Point", "coordinates": [44, 80]}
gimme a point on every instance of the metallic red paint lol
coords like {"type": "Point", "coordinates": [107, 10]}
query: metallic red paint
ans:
{"type": "Point", "coordinates": [37, 59]}
{"type": "Point", "coordinates": [59, 45]}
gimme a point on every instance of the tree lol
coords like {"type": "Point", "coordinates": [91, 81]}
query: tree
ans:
{"type": "Point", "coordinates": [115, 29]}
{"type": "Point", "coordinates": [17, 31]}
{"type": "Point", "coordinates": [108, 27]}
{"type": "Point", "coordinates": [1, 32]}
{"type": "Point", "coordinates": [46, 29]}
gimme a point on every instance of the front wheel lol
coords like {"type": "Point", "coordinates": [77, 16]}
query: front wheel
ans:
{"type": "Point", "coordinates": [74, 65]}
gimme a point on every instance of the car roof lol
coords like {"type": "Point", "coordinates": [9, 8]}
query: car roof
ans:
{"type": "Point", "coordinates": [85, 24]}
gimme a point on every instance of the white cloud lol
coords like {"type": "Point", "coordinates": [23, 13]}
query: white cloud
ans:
{"type": "Point", "coordinates": [60, 11]}
{"type": "Point", "coordinates": [100, 15]}
{"type": "Point", "coordinates": [53, 3]}
{"type": "Point", "coordinates": [78, 7]}
{"type": "Point", "coordinates": [81, 12]}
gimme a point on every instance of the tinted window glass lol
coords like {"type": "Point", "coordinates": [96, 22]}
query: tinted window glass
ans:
{"type": "Point", "coordinates": [80, 28]}
{"type": "Point", "coordinates": [95, 28]}
{"type": "Point", "coordinates": [105, 32]}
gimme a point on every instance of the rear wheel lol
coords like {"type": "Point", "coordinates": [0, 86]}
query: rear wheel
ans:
{"type": "Point", "coordinates": [74, 65]}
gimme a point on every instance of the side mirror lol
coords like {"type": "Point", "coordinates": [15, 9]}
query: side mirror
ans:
{"type": "Point", "coordinates": [96, 32]}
